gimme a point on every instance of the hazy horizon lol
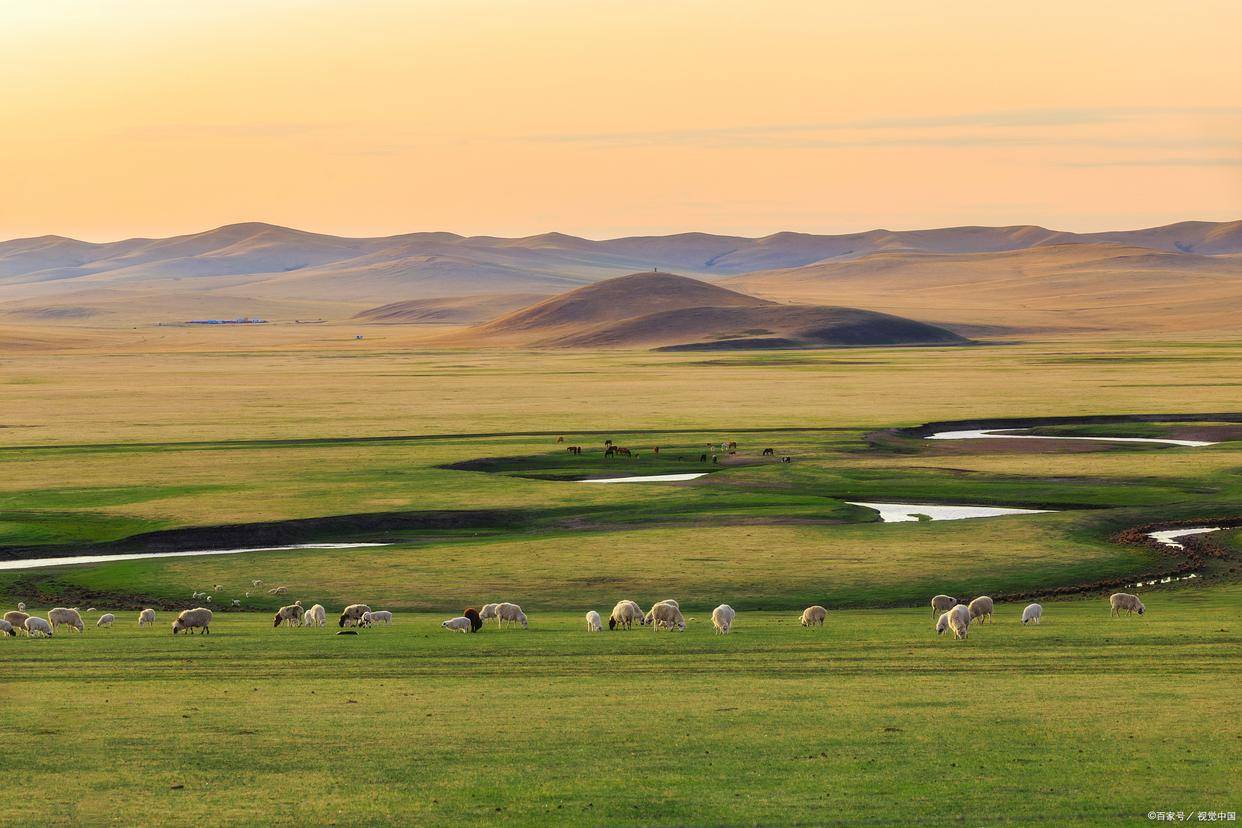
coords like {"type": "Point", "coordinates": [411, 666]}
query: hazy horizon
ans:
{"type": "Point", "coordinates": [604, 238]}
{"type": "Point", "coordinates": [135, 118]}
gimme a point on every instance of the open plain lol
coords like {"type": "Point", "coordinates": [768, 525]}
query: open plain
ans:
{"type": "Point", "coordinates": [154, 440]}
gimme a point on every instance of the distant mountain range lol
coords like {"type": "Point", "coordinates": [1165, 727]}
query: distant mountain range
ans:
{"type": "Point", "coordinates": [261, 269]}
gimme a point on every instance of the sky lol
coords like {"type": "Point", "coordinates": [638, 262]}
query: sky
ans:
{"type": "Point", "coordinates": [605, 118]}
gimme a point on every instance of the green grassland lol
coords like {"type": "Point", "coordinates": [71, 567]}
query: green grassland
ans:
{"type": "Point", "coordinates": [872, 719]}
{"type": "Point", "coordinates": [452, 460]}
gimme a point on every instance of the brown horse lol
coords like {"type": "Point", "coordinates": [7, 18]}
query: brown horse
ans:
{"type": "Point", "coordinates": [733, 444]}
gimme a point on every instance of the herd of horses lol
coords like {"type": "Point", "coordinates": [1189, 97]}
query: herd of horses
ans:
{"type": "Point", "coordinates": [611, 449]}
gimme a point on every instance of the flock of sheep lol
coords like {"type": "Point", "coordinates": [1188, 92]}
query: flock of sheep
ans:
{"type": "Point", "coordinates": [957, 617]}
{"type": "Point", "coordinates": [954, 617]}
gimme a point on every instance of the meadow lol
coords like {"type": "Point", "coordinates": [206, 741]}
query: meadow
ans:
{"type": "Point", "coordinates": [451, 459]}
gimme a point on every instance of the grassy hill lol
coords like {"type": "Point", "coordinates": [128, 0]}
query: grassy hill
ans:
{"type": "Point", "coordinates": [663, 310]}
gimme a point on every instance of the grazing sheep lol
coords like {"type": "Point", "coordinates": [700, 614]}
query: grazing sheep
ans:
{"type": "Point", "coordinates": [511, 614]}
{"type": "Point", "coordinates": [190, 620]}
{"type": "Point", "coordinates": [21, 606]}
{"type": "Point", "coordinates": [956, 619]}
{"type": "Point", "coordinates": [942, 603]}
{"type": "Point", "coordinates": [814, 616]}
{"type": "Point", "coordinates": [981, 608]}
{"type": "Point", "coordinates": [1119, 601]}
{"type": "Point", "coordinates": [37, 627]}
{"type": "Point", "coordinates": [278, 590]}
{"type": "Point", "coordinates": [649, 618]}
{"type": "Point", "coordinates": [62, 616]}
{"type": "Point", "coordinates": [6, 628]}
{"type": "Point", "coordinates": [16, 619]}
{"type": "Point", "coordinates": [290, 616]}
{"type": "Point", "coordinates": [316, 616]}
{"type": "Point", "coordinates": [489, 611]}
{"type": "Point", "coordinates": [460, 624]}
{"type": "Point", "coordinates": [146, 618]}
{"type": "Point", "coordinates": [105, 620]}
{"type": "Point", "coordinates": [594, 623]}
{"type": "Point", "coordinates": [668, 616]}
{"type": "Point", "coordinates": [351, 615]}
{"type": "Point", "coordinates": [236, 602]}
{"type": "Point", "coordinates": [476, 620]}
{"type": "Point", "coordinates": [624, 615]}
{"type": "Point", "coordinates": [1032, 613]}
{"type": "Point", "coordinates": [722, 618]}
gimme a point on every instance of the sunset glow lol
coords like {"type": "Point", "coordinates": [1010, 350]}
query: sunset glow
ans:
{"type": "Point", "coordinates": [605, 118]}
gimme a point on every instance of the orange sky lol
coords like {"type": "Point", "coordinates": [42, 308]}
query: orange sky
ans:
{"type": "Point", "coordinates": [138, 117]}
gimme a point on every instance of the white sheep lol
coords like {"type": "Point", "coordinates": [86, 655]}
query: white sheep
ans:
{"type": "Point", "coordinates": [722, 618]}
{"type": "Point", "coordinates": [1032, 614]}
{"type": "Point", "coordinates": [942, 604]}
{"type": "Point", "coordinates": [593, 622]}
{"type": "Point", "coordinates": [21, 606]}
{"type": "Point", "coordinates": [458, 624]}
{"type": "Point", "coordinates": [489, 611]}
{"type": "Point", "coordinates": [981, 608]}
{"type": "Point", "coordinates": [814, 616]}
{"type": "Point", "coordinates": [278, 590]}
{"type": "Point", "coordinates": [64, 616]}
{"type": "Point", "coordinates": [256, 582]}
{"type": "Point", "coordinates": [625, 614]}
{"type": "Point", "coordinates": [237, 602]}
{"type": "Point", "coordinates": [6, 628]}
{"type": "Point", "coordinates": [381, 617]}
{"type": "Point", "coordinates": [351, 615]}
{"type": "Point", "coordinates": [146, 618]}
{"type": "Point", "coordinates": [316, 616]}
{"type": "Point", "coordinates": [1119, 601]}
{"type": "Point", "coordinates": [16, 619]}
{"type": "Point", "coordinates": [649, 618]}
{"type": "Point", "coordinates": [511, 614]}
{"type": "Point", "coordinates": [190, 620]}
{"type": "Point", "coordinates": [105, 620]}
{"type": "Point", "coordinates": [667, 615]}
{"type": "Point", "coordinates": [957, 620]}
{"type": "Point", "coordinates": [38, 628]}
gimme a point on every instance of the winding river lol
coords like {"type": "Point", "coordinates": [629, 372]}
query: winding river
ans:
{"type": "Point", "coordinates": [1011, 434]}
{"type": "Point", "coordinates": [904, 512]}
{"type": "Point", "coordinates": [33, 563]}
{"type": "Point", "coordinates": [648, 478]}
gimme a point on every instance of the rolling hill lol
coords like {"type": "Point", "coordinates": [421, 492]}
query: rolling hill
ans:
{"type": "Point", "coordinates": [1101, 286]}
{"type": "Point", "coordinates": [261, 269]}
{"type": "Point", "coordinates": [668, 311]}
